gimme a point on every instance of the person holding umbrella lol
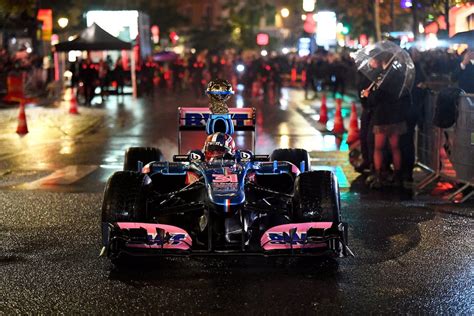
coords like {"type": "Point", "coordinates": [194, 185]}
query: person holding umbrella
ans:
{"type": "Point", "coordinates": [391, 71]}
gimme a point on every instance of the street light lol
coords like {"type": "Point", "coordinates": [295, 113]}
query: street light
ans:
{"type": "Point", "coordinates": [63, 22]}
{"type": "Point", "coordinates": [309, 5]}
{"type": "Point", "coordinates": [285, 12]}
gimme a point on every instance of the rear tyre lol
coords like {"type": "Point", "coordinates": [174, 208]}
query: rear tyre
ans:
{"type": "Point", "coordinates": [316, 197]}
{"type": "Point", "coordinates": [293, 155]}
{"type": "Point", "coordinates": [144, 154]}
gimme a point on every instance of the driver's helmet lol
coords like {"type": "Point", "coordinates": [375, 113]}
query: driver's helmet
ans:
{"type": "Point", "coordinates": [217, 145]}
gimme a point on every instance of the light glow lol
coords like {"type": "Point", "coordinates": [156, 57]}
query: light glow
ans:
{"type": "Point", "coordinates": [63, 22]}
{"type": "Point", "coordinates": [309, 5]}
{"type": "Point", "coordinates": [122, 24]}
{"type": "Point", "coordinates": [328, 36]}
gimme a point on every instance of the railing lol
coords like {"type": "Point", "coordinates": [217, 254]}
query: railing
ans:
{"type": "Point", "coordinates": [448, 153]}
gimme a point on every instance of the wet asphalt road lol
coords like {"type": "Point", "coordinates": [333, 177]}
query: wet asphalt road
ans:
{"type": "Point", "coordinates": [413, 255]}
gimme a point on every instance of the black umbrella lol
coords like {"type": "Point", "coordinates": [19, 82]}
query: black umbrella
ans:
{"type": "Point", "coordinates": [463, 38]}
{"type": "Point", "coordinates": [165, 56]}
{"type": "Point", "coordinates": [388, 66]}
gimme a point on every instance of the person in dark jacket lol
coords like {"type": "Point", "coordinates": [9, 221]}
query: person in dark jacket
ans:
{"type": "Point", "coordinates": [413, 114]}
{"type": "Point", "coordinates": [310, 68]}
{"type": "Point", "coordinates": [119, 76]}
{"type": "Point", "coordinates": [389, 122]}
{"type": "Point", "coordinates": [88, 75]}
{"type": "Point", "coordinates": [366, 135]}
{"type": "Point", "coordinates": [464, 72]}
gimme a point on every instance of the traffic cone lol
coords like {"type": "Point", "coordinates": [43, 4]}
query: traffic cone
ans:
{"type": "Point", "coordinates": [323, 99]}
{"type": "Point", "coordinates": [22, 128]}
{"type": "Point", "coordinates": [234, 83]}
{"type": "Point", "coordinates": [323, 111]}
{"type": "Point", "coordinates": [353, 126]}
{"type": "Point", "coordinates": [73, 103]}
{"type": "Point", "coordinates": [338, 122]}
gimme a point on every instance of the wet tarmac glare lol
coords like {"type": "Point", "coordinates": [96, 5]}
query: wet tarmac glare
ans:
{"type": "Point", "coordinates": [413, 255]}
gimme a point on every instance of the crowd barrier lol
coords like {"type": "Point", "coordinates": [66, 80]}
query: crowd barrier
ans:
{"type": "Point", "coordinates": [447, 153]}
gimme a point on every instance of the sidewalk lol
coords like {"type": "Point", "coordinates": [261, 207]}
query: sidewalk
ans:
{"type": "Point", "coordinates": [45, 126]}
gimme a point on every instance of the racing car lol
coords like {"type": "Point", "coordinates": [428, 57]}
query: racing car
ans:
{"type": "Point", "coordinates": [221, 200]}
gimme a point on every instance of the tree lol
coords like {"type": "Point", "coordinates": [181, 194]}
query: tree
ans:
{"type": "Point", "coordinates": [210, 39]}
{"type": "Point", "coordinates": [244, 20]}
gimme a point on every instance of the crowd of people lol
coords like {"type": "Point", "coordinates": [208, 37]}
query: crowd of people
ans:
{"type": "Point", "coordinates": [388, 120]}
{"type": "Point", "coordinates": [23, 62]}
{"type": "Point", "coordinates": [321, 71]}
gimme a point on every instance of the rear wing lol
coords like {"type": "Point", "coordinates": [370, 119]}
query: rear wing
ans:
{"type": "Point", "coordinates": [195, 119]}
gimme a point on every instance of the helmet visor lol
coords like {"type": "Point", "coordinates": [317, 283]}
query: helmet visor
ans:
{"type": "Point", "coordinates": [213, 151]}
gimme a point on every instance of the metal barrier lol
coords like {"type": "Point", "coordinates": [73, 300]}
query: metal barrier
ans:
{"type": "Point", "coordinates": [448, 153]}
{"type": "Point", "coordinates": [428, 136]}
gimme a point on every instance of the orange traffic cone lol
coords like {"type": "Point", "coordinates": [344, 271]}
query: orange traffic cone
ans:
{"type": "Point", "coordinates": [22, 128]}
{"type": "Point", "coordinates": [323, 111]}
{"type": "Point", "coordinates": [338, 122]}
{"type": "Point", "coordinates": [73, 103]}
{"type": "Point", "coordinates": [234, 83]}
{"type": "Point", "coordinates": [353, 126]}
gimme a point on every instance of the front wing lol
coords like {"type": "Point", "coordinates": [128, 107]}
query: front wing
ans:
{"type": "Point", "coordinates": [297, 239]}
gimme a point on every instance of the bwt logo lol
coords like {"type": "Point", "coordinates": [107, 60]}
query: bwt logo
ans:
{"type": "Point", "coordinates": [285, 238]}
{"type": "Point", "coordinates": [175, 239]}
{"type": "Point", "coordinates": [200, 119]}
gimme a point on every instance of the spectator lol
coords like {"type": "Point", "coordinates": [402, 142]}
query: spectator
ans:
{"type": "Point", "coordinates": [464, 72]}
{"type": "Point", "coordinates": [310, 67]}
{"type": "Point", "coordinates": [366, 134]}
{"type": "Point", "coordinates": [147, 75]}
{"type": "Point", "coordinates": [389, 123]}
{"type": "Point", "coordinates": [103, 78]}
{"type": "Point", "coordinates": [119, 75]}
{"type": "Point", "coordinates": [215, 67]}
{"type": "Point", "coordinates": [413, 112]}
{"type": "Point", "coordinates": [88, 76]}
{"type": "Point", "coordinates": [177, 68]}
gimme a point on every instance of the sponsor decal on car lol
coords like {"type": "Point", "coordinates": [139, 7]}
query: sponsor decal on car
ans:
{"type": "Point", "coordinates": [225, 182]}
{"type": "Point", "coordinates": [222, 178]}
{"type": "Point", "coordinates": [173, 237]}
{"type": "Point", "coordinates": [199, 116]}
{"type": "Point", "coordinates": [282, 238]}
{"type": "Point", "coordinates": [291, 236]}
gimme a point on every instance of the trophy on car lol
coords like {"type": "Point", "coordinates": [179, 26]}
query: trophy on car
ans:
{"type": "Point", "coordinates": [218, 92]}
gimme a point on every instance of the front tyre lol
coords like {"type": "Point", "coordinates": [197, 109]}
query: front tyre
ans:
{"type": "Point", "coordinates": [124, 201]}
{"type": "Point", "coordinates": [125, 197]}
{"type": "Point", "coordinates": [316, 197]}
